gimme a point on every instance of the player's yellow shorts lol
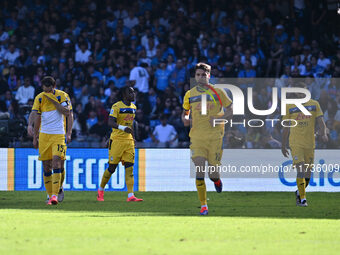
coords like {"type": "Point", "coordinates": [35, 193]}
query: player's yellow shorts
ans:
{"type": "Point", "coordinates": [211, 150]}
{"type": "Point", "coordinates": [300, 155]}
{"type": "Point", "coordinates": [51, 145]}
{"type": "Point", "coordinates": [121, 151]}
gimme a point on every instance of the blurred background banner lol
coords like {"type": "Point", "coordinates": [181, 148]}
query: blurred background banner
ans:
{"type": "Point", "coordinates": [84, 168]}
{"type": "Point", "coordinates": [160, 170]}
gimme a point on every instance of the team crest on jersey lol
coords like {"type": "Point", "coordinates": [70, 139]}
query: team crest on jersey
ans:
{"type": "Point", "coordinates": [111, 158]}
{"type": "Point", "coordinates": [111, 112]}
{"type": "Point", "coordinates": [295, 158]}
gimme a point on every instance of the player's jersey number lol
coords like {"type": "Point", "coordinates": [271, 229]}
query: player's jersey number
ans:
{"type": "Point", "coordinates": [61, 148]}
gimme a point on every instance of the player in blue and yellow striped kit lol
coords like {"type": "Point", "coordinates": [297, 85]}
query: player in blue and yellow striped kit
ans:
{"type": "Point", "coordinates": [121, 144]}
{"type": "Point", "coordinates": [68, 124]}
{"type": "Point", "coordinates": [206, 139]}
{"type": "Point", "coordinates": [302, 141]}
{"type": "Point", "coordinates": [51, 107]}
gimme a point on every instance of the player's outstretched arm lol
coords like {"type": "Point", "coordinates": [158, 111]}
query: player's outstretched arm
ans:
{"type": "Point", "coordinates": [62, 109]}
{"type": "Point", "coordinates": [322, 129]}
{"type": "Point", "coordinates": [113, 123]}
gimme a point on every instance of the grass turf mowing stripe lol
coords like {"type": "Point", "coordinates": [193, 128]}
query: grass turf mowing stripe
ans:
{"type": "Point", "coordinates": [168, 223]}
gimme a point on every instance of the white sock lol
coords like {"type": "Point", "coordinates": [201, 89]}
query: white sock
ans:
{"type": "Point", "coordinates": [130, 195]}
{"type": "Point", "coordinates": [204, 206]}
{"type": "Point", "coordinates": [303, 200]}
{"type": "Point", "coordinates": [48, 197]}
{"type": "Point", "coordinates": [100, 188]}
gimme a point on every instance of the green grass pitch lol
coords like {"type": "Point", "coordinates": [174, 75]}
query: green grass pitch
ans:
{"type": "Point", "coordinates": [168, 223]}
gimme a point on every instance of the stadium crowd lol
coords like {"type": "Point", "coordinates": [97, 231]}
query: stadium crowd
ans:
{"type": "Point", "coordinates": [93, 48]}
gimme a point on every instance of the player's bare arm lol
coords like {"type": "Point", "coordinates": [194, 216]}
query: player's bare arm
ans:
{"type": "Point", "coordinates": [322, 129]}
{"type": "Point", "coordinates": [285, 134]}
{"type": "Point", "coordinates": [186, 118]}
{"type": "Point", "coordinates": [63, 110]}
{"type": "Point", "coordinates": [69, 120]}
{"type": "Point", "coordinates": [31, 119]}
{"type": "Point", "coordinates": [37, 121]}
{"type": "Point", "coordinates": [113, 123]}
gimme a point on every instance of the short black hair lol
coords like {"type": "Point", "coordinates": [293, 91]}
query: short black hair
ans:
{"type": "Point", "coordinates": [48, 81]}
{"type": "Point", "coordinates": [121, 92]}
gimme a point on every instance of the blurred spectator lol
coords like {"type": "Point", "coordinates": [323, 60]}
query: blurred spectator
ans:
{"type": "Point", "coordinates": [83, 54]}
{"type": "Point", "coordinates": [280, 35]}
{"type": "Point", "coordinates": [322, 61]}
{"type": "Point", "coordinates": [80, 126]}
{"type": "Point", "coordinates": [13, 79]}
{"type": "Point", "coordinates": [164, 134]}
{"type": "Point", "coordinates": [228, 70]}
{"type": "Point", "coordinates": [11, 54]}
{"type": "Point", "coordinates": [176, 121]}
{"type": "Point", "coordinates": [140, 78]}
{"type": "Point", "coordinates": [92, 120]}
{"type": "Point", "coordinates": [131, 20]}
{"type": "Point", "coordinates": [332, 112]}
{"type": "Point", "coordinates": [143, 126]}
{"type": "Point", "coordinates": [3, 34]}
{"type": "Point", "coordinates": [162, 75]}
{"type": "Point", "coordinates": [276, 57]}
{"type": "Point", "coordinates": [23, 62]}
{"type": "Point", "coordinates": [25, 92]}
{"type": "Point", "coordinates": [4, 114]}
{"type": "Point", "coordinates": [178, 76]}
{"type": "Point", "coordinates": [94, 49]}
{"type": "Point", "coordinates": [111, 88]}
{"type": "Point", "coordinates": [100, 129]}
{"type": "Point", "coordinates": [247, 72]}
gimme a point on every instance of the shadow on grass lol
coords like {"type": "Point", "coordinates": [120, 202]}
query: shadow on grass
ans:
{"type": "Point", "coordinates": [226, 204]}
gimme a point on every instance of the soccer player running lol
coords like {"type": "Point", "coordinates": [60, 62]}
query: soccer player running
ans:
{"type": "Point", "coordinates": [121, 144]}
{"type": "Point", "coordinates": [302, 142]}
{"type": "Point", "coordinates": [50, 107]}
{"type": "Point", "coordinates": [206, 140]}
